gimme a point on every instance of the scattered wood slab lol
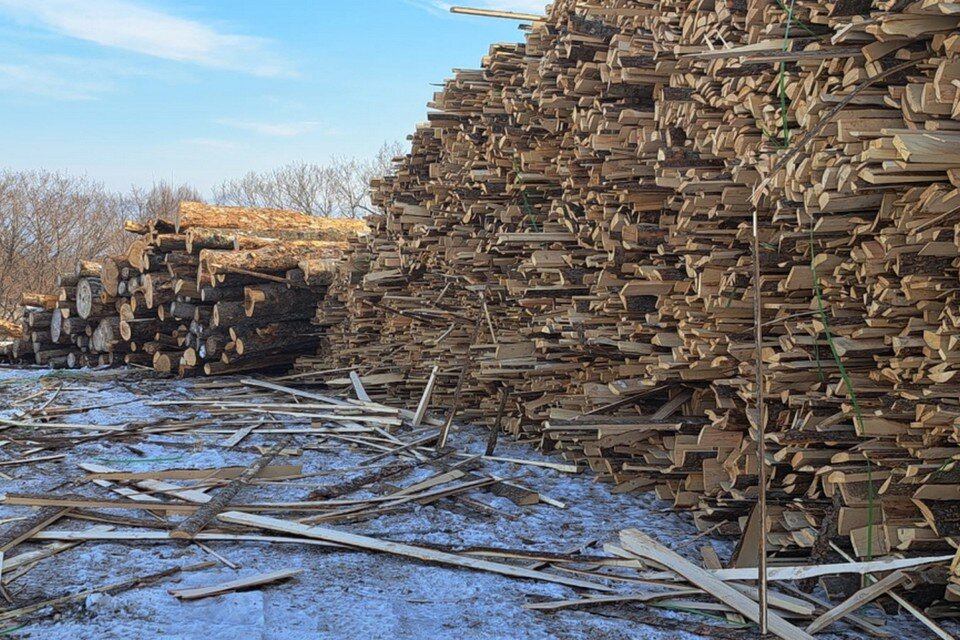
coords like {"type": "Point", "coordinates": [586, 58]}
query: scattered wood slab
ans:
{"type": "Point", "coordinates": [646, 547]}
{"type": "Point", "coordinates": [115, 587]}
{"type": "Point", "coordinates": [241, 584]}
{"type": "Point", "coordinates": [24, 529]}
{"type": "Point", "coordinates": [192, 525]}
{"type": "Point", "coordinates": [857, 600]}
{"type": "Point", "coordinates": [221, 473]}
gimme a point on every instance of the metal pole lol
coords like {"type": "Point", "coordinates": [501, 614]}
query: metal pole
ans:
{"type": "Point", "coordinates": [761, 430]}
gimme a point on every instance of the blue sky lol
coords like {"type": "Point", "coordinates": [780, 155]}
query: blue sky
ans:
{"type": "Point", "coordinates": [133, 91]}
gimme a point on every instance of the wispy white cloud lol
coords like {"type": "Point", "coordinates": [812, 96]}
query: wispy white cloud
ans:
{"type": "Point", "coordinates": [59, 77]}
{"type": "Point", "coordinates": [429, 6]}
{"type": "Point", "coordinates": [127, 25]}
{"type": "Point", "coordinates": [38, 81]}
{"type": "Point", "coordinates": [273, 129]}
{"type": "Point", "coordinates": [521, 6]}
{"type": "Point", "coordinates": [212, 143]}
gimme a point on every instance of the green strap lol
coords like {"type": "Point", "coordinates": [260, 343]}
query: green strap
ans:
{"type": "Point", "coordinates": [785, 125]}
{"type": "Point", "coordinates": [818, 292]}
{"type": "Point", "coordinates": [527, 207]}
{"type": "Point", "coordinates": [858, 426]}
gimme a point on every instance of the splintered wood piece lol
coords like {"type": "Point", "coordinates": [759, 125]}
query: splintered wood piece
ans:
{"type": "Point", "coordinates": [164, 536]}
{"type": "Point", "coordinates": [455, 406]}
{"type": "Point", "coordinates": [556, 466]}
{"type": "Point", "coordinates": [497, 423]}
{"type": "Point", "coordinates": [869, 626]}
{"type": "Point", "coordinates": [401, 549]}
{"type": "Point", "coordinates": [347, 487]}
{"type": "Point", "coordinates": [489, 13]}
{"type": "Point", "coordinates": [857, 600]}
{"type": "Point", "coordinates": [358, 387]}
{"type": "Point", "coordinates": [222, 473]}
{"type": "Point", "coordinates": [557, 605]}
{"type": "Point", "coordinates": [24, 529]}
{"type": "Point", "coordinates": [239, 435]}
{"type": "Point", "coordinates": [801, 572]}
{"type": "Point", "coordinates": [425, 398]}
{"type": "Point", "coordinates": [199, 518]}
{"type": "Point", "coordinates": [20, 565]}
{"type": "Point", "coordinates": [912, 610]}
{"type": "Point", "coordinates": [394, 500]}
{"type": "Point", "coordinates": [407, 415]}
{"type": "Point", "coordinates": [234, 585]}
{"type": "Point", "coordinates": [646, 547]}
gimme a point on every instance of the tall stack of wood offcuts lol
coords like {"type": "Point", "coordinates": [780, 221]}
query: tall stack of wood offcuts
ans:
{"type": "Point", "coordinates": [209, 290]}
{"type": "Point", "coordinates": [574, 224]}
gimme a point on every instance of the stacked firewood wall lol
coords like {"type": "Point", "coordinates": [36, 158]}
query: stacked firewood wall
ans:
{"type": "Point", "coordinates": [211, 290]}
{"type": "Point", "coordinates": [574, 223]}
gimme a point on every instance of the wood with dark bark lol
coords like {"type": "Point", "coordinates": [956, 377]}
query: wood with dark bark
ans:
{"type": "Point", "coordinates": [193, 524]}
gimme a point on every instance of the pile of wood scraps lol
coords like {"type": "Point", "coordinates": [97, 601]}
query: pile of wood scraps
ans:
{"type": "Point", "coordinates": [273, 500]}
{"type": "Point", "coordinates": [572, 231]}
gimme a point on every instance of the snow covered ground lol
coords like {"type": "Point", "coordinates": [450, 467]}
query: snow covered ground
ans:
{"type": "Point", "coordinates": [341, 594]}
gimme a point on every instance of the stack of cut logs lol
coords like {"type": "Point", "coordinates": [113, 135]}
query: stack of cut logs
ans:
{"type": "Point", "coordinates": [573, 227]}
{"type": "Point", "coordinates": [211, 290]}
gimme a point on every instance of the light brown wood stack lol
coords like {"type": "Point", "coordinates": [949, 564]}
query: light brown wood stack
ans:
{"type": "Point", "coordinates": [597, 185]}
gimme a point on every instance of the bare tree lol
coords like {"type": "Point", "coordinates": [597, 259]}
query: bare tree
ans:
{"type": "Point", "coordinates": [351, 187]}
{"type": "Point", "coordinates": [47, 222]}
{"type": "Point", "coordinates": [383, 162]}
{"type": "Point", "coordinates": [306, 187]}
{"type": "Point", "coordinates": [298, 186]}
{"type": "Point", "coordinates": [338, 189]}
{"type": "Point", "coordinates": [354, 177]}
{"type": "Point", "coordinates": [159, 200]}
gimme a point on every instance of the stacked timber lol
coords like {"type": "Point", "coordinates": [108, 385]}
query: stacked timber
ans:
{"type": "Point", "coordinates": [210, 290]}
{"type": "Point", "coordinates": [574, 224]}
{"type": "Point", "coordinates": [225, 289]}
{"type": "Point", "coordinates": [31, 341]}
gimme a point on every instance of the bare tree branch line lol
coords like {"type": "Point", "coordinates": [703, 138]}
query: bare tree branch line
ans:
{"type": "Point", "coordinates": [50, 220]}
{"type": "Point", "coordinates": [337, 189]}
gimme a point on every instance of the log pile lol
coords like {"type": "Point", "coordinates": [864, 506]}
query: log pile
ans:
{"type": "Point", "coordinates": [574, 224]}
{"type": "Point", "coordinates": [210, 290]}
{"type": "Point", "coordinates": [29, 339]}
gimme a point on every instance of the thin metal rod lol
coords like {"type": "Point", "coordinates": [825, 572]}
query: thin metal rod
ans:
{"type": "Point", "coordinates": [761, 430]}
{"type": "Point", "coordinates": [487, 13]}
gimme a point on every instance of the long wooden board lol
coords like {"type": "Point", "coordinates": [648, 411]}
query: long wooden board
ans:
{"type": "Point", "coordinates": [398, 548]}
{"type": "Point", "coordinates": [646, 547]}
